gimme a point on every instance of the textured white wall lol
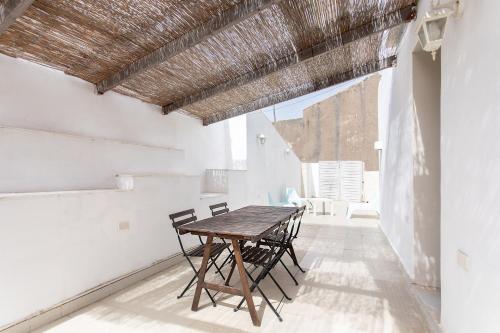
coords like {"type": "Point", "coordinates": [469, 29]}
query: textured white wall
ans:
{"type": "Point", "coordinates": [56, 245]}
{"type": "Point", "coordinates": [269, 166]}
{"type": "Point", "coordinates": [397, 157]}
{"type": "Point", "coordinates": [470, 149]}
{"type": "Point", "coordinates": [470, 166]}
{"type": "Point", "coordinates": [39, 98]}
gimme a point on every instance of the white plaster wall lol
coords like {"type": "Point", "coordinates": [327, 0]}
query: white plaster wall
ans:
{"type": "Point", "coordinates": [470, 166]}
{"type": "Point", "coordinates": [396, 174]}
{"type": "Point", "coordinates": [269, 166]}
{"type": "Point", "coordinates": [40, 98]}
{"type": "Point", "coordinates": [470, 149]}
{"type": "Point", "coordinates": [56, 134]}
{"type": "Point", "coordinates": [426, 168]}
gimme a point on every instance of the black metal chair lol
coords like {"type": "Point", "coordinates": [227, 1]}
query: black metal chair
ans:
{"type": "Point", "coordinates": [218, 209]}
{"type": "Point", "coordinates": [184, 217]}
{"type": "Point", "coordinates": [270, 240]}
{"type": "Point", "coordinates": [267, 258]}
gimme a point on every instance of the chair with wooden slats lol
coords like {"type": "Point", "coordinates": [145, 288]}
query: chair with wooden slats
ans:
{"type": "Point", "coordinates": [267, 258]}
{"type": "Point", "coordinates": [188, 216]}
{"type": "Point", "coordinates": [218, 209]}
{"type": "Point", "coordinates": [289, 245]}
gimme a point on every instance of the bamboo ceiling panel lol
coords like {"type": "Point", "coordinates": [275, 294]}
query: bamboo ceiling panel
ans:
{"type": "Point", "coordinates": [280, 50]}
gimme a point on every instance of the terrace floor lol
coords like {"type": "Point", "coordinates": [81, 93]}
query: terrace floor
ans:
{"type": "Point", "coordinates": [353, 283]}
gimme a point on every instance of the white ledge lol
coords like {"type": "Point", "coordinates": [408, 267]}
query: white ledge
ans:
{"type": "Point", "coordinates": [156, 175]}
{"type": "Point", "coordinates": [228, 169]}
{"type": "Point", "coordinates": [208, 195]}
{"type": "Point", "coordinates": [56, 193]}
{"type": "Point", "coordinates": [88, 138]}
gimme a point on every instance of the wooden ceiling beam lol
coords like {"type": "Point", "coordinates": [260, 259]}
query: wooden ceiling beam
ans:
{"type": "Point", "coordinates": [217, 24]}
{"type": "Point", "coordinates": [10, 10]}
{"type": "Point", "coordinates": [307, 88]}
{"type": "Point", "coordinates": [377, 25]}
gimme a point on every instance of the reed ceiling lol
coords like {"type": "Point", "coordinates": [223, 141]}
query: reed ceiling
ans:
{"type": "Point", "coordinates": [212, 59]}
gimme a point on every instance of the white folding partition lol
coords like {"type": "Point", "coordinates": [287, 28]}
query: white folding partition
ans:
{"type": "Point", "coordinates": [330, 179]}
{"type": "Point", "coordinates": [351, 181]}
{"type": "Point", "coordinates": [341, 180]}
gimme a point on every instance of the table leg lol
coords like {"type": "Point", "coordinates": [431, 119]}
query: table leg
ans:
{"type": "Point", "coordinates": [244, 284]}
{"type": "Point", "coordinates": [201, 274]}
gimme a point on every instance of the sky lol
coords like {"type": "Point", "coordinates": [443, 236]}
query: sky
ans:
{"type": "Point", "coordinates": [293, 109]}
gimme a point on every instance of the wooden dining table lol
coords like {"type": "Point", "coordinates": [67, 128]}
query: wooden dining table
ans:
{"type": "Point", "coordinates": [250, 223]}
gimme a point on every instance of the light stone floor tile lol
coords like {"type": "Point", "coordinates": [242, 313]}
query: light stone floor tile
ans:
{"type": "Point", "coordinates": [354, 283]}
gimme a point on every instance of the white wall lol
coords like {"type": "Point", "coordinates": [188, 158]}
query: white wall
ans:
{"type": "Point", "coordinates": [397, 164]}
{"type": "Point", "coordinates": [39, 98]}
{"type": "Point", "coordinates": [57, 135]}
{"type": "Point", "coordinates": [426, 168]}
{"type": "Point", "coordinates": [470, 166]}
{"type": "Point", "coordinates": [270, 167]}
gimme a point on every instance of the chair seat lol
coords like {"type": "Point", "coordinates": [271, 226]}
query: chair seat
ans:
{"type": "Point", "coordinates": [214, 250]}
{"type": "Point", "coordinates": [256, 255]}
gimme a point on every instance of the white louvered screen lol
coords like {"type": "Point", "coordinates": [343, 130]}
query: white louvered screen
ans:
{"type": "Point", "coordinates": [341, 180]}
{"type": "Point", "coordinates": [329, 179]}
{"type": "Point", "coordinates": [352, 181]}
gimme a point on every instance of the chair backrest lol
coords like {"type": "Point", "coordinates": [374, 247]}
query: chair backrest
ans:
{"type": "Point", "coordinates": [298, 221]}
{"type": "Point", "coordinates": [292, 197]}
{"type": "Point", "coordinates": [282, 232]}
{"type": "Point", "coordinates": [181, 218]}
{"type": "Point", "coordinates": [218, 209]}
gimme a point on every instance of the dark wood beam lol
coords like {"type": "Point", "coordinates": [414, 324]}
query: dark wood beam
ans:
{"type": "Point", "coordinates": [308, 88]}
{"type": "Point", "coordinates": [224, 21]}
{"type": "Point", "coordinates": [10, 10]}
{"type": "Point", "coordinates": [379, 24]}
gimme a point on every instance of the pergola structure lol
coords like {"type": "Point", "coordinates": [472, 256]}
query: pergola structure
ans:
{"type": "Point", "coordinates": [211, 59]}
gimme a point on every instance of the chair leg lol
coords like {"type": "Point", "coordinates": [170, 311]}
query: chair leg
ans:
{"type": "Point", "coordinates": [230, 256]}
{"type": "Point", "coordinates": [289, 273]}
{"type": "Point", "coordinates": [189, 285]}
{"type": "Point", "coordinates": [291, 252]}
{"type": "Point", "coordinates": [269, 303]}
{"type": "Point", "coordinates": [255, 284]}
{"type": "Point", "coordinates": [218, 268]}
{"type": "Point", "coordinates": [233, 265]}
{"type": "Point", "coordinates": [196, 272]}
{"type": "Point", "coordinates": [279, 287]}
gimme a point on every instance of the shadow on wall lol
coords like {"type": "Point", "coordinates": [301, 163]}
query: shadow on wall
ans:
{"type": "Point", "coordinates": [426, 167]}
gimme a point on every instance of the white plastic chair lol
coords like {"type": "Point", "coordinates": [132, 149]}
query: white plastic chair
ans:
{"type": "Point", "coordinates": [292, 197]}
{"type": "Point", "coordinates": [372, 205]}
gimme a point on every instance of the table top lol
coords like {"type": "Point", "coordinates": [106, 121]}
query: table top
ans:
{"type": "Point", "coordinates": [248, 223]}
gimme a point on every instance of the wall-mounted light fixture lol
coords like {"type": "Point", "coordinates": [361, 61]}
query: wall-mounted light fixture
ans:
{"type": "Point", "coordinates": [431, 30]}
{"type": "Point", "coordinates": [288, 149]}
{"type": "Point", "coordinates": [377, 145]}
{"type": "Point", "coordinates": [261, 138]}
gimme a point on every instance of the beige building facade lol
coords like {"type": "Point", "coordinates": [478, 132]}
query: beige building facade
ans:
{"type": "Point", "coordinates": [341, 127]}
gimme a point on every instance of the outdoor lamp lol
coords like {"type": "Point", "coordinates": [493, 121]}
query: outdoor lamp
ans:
{"type": "Point", "coordinates": [262, 138]}
{"type": "Point", "coordinates": [431, 30]}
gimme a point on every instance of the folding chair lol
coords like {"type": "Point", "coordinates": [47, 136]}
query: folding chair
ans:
{"type": "Point", "coordinates": [187, 216]}
{"type": "Point", "coordinates": [267, 258]}
{"type": "Point", "coordinates": [219, 209]}
{"type": "Point", "coordinates": [289, 245]}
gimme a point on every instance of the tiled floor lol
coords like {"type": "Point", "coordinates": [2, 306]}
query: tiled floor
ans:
{"type": "Point", "coordinates": [353, 283]}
